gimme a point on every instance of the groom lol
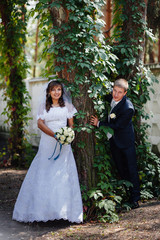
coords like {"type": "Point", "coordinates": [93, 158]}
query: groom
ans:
{"type": "Point", "coordinates": [122, 143]}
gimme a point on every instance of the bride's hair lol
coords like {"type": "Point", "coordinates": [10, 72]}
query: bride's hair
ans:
{"type": "Point", "coordinates": [51, 85]}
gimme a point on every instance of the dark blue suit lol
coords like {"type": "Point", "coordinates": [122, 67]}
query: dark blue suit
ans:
{"type": "Point", "coordinates": [122, 143]}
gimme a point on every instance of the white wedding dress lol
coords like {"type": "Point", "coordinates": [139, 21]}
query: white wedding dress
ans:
{"type": "Point", "coordinates": [51, 189]}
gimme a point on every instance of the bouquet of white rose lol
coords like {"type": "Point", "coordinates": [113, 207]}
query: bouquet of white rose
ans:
{"type": "Point", "coordinates": [65, 135]}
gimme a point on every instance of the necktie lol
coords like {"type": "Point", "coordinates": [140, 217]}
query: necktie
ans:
{"type": "Point", "coordinates": [113, 104]}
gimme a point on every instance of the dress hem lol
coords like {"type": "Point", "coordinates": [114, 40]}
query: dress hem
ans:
{"type": "Point", "coordinates": [46, 220]}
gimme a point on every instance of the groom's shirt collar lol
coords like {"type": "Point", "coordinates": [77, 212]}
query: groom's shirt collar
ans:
{"type": "Point", "coordinates": [114, 103]}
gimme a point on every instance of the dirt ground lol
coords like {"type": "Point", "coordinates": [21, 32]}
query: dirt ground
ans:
{"type": "Point", "coordinates": [142, 223]}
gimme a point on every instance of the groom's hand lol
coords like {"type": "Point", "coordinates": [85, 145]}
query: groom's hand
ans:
{"type": "Point", "coordinates": [94, 120]}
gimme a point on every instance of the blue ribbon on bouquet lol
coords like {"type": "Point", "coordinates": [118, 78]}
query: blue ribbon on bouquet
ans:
{"type": "Point", "coordinates": [60, 148]}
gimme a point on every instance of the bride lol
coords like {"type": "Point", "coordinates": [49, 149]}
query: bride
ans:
{"type": "Point", "coordinates": [51, 189]}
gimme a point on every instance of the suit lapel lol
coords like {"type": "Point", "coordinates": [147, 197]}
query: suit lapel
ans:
{"type": "Point", "coordinates": [119, 105]}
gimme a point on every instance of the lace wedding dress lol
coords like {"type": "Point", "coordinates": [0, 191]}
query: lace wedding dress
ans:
{"type": "Point", "coordinates": [51, 189]}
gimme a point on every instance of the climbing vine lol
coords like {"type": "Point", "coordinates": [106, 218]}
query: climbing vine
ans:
{"type": "Point", "coordinates": [78, 53]}
{"type": "Point", "coordinates": [128, 45]}
{"type": "Point", "coordinates": [13, 67]}
{"type": "Point", "coordinates": [80, 56]}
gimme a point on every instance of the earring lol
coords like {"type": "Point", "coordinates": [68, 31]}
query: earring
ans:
{"type": "Point", "coordinates": [49, 94]}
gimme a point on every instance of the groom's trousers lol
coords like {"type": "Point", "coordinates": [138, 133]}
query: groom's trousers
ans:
{"type": "Point", "coordinates": [126, 163]}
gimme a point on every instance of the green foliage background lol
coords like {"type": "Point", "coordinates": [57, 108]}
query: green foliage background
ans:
{"type": "Point", "coordinates": [130, 65]}
{"type": "Point", "coordinates": [77, 44]}
{"type": "Point", "coordinates": [98, 63]}
{"type": "Point", "coordinates": [13, 66]}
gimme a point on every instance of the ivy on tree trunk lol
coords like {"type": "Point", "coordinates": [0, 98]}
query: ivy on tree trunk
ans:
{"type": "Point", "coordinates": [13, 69]}
{"type": "Point", "coordinates": [80, 59]}
{"type": "Point", "coordinates": [129, 35]}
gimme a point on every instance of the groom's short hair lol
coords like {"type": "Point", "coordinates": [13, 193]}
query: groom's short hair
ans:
{"type": "Point", "coordinates": [122, 83]}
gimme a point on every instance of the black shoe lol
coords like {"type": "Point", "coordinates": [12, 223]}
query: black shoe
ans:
{"type": "Point", "coordinates": [135, 205]}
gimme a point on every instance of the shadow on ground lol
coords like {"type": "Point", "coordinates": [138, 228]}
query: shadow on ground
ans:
{"type": "Point", "coordinates": [10, 182]}
{"type": "Point", "coordinates": [140, 224]}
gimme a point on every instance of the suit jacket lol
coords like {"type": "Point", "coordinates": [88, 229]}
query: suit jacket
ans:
{"type": "Point", "coordinates": [122, 123]}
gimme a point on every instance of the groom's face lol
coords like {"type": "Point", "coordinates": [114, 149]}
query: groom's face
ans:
{"type": "Point", "coordinates": [118, 93]}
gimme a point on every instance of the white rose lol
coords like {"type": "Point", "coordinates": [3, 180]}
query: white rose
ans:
{"type": "Point", "coordinates": [62, 138]}
{"type": "Point", "coordinates": [71, 134]}
{"type": "Point", "coordinates": [69, 140]}
{"type": "Point", "coordinates": [58, 136]}
{"type": "Point", "coordinates": [70, 129]}
{"type": "Point", "coordinates": [66, 132]}
{"type": "Point", "coordinates": [112, 115]}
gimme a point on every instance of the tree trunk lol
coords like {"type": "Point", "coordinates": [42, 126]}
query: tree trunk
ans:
{"type": "Point", "coordinates": [84, 155]}
{"type": "Point", "coordinates": [130, 33]}
{"type": "Point", "coordinates": [159, 46]}
{"type": "Point", "coordinates": [151, 54]}
{"type": "Point", "coordinates": [14, 77]}
{"type": "Point", "coordinates": [36, 49]}
{"type": "Point", "coordinates": [131, 29]}
{"type": "Point", "coordinates": [16, 147]}
{"type": "Point", "coordinates": [108, 18]}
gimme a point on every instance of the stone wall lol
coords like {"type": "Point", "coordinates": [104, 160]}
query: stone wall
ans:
{"type": "Point", "coordinates": [35, 87]}
{"type": "Point", "coordinates": [153, 108]}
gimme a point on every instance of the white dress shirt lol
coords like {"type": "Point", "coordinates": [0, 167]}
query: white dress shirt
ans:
{"type": "Point", "coordinates": [113, 104]}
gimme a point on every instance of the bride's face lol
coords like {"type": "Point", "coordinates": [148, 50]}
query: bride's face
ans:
{"type": "Point", "coordinates": [56, 92]}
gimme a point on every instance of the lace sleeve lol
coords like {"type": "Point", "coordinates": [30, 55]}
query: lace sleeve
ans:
{"type": "Point", "coordinates": [71, 110]}
{"type": "Point", "coordinates": [41, 112]}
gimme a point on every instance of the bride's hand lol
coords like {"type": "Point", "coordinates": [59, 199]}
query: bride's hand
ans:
{"type": "Point", "coordinates": [70, 122]}
{"type": "Point", "coordinates": [55, 137]}
{"type": "Point", "coordinates": [94, 120]}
